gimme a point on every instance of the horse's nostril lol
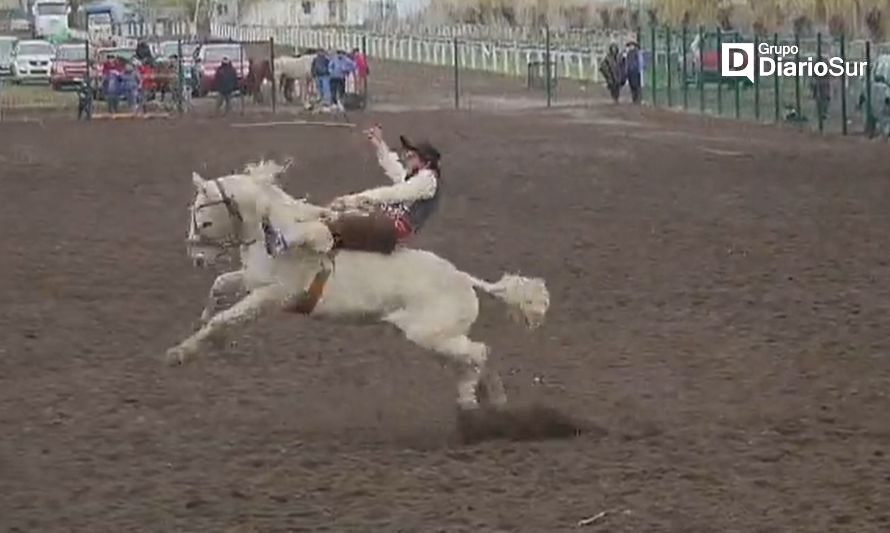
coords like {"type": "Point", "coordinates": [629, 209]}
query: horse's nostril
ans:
{"type": "Point", "coordinates": [206, 224]}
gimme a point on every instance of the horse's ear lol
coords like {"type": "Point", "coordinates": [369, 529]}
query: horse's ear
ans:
{"type": "Point", "coordinates": [198, 181]}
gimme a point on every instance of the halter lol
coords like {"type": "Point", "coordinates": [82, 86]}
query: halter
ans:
{"type": "Point", "coordinates": [235, 216]}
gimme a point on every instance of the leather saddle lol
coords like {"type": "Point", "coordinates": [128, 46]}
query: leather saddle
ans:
{"type": "Point", "coordinates": [366, 232]}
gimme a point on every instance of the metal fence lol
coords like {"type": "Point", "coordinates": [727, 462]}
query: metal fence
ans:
{"type": "Point", "coordinates": [478, 72]}
{"type": "Point", "coordinates": [508, 58]}
{"type": "Point", "coordinates": [164, 85]}
{"type": "Point", "coordinates": [685, 66]}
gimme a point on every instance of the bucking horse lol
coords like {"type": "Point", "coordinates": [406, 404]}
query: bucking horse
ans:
{"type": "Point", "coordinates": [425, 296]}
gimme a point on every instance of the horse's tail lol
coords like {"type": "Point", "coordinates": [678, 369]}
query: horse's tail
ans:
{"type": "Point", "coordinates": [527, 298]}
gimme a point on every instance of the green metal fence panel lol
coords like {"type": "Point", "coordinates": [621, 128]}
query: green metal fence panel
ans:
{"type": "Point", "coordinates": [680, 61]}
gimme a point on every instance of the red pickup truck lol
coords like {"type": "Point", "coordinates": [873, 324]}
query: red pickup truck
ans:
{"type": "Point", "coordinates": [70, 65]}
{"type": "Point", "coordinates": [209, 57]}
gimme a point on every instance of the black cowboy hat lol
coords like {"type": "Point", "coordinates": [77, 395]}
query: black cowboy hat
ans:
{"type": "Point", "coordinates": [427, 153]}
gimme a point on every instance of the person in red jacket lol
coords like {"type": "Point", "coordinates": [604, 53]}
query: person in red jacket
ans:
{"type": "Point", "coordinates": [361, 70]}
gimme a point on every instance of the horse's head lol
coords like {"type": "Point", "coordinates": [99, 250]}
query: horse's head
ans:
{"type": "Point", "coordinates": [220, 218]}
{"type": "Point", "coordinates": [226, 212]}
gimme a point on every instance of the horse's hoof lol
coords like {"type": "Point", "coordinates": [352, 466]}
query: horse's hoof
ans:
{"type": "Point", "coordinates": [468, 405]}
{"type": "Point", "coordinates": [174, 357]}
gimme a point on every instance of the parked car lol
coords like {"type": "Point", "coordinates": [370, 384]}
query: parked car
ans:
{"type": "Point", "coordinates": [32, 61]}
{"type": "Point", "coordinates": [703, 59]}
{"type": "Point", "coordinates": [70, 66]}
{"type": "Point", "coordinates": [7, 47]}
{"type": "Point", "coordinates": [208, 58]}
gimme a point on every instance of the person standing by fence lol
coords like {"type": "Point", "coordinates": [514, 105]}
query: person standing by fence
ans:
{"type": "Point", "coordinates": [131, 87]}
{"type": "Point", "coordinates": [361, 70]}
{"type": "Point", "coordinates": [341, 66]}
{"type": "Point", "coordinates": [613, 71]}
{"type": "Point", "coordinates": [225, 82]}
{"type": "Point", "coordinates": [633, 64]}
{"type": "Point", "coordinates": [321, 72]}
{"type": "Point", "coordinates": [111, 83]}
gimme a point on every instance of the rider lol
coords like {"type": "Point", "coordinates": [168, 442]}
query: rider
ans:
{"type": "Point", "coordinates": [405, 205]}
{"type": "Point", "coordinates": [413, 196]}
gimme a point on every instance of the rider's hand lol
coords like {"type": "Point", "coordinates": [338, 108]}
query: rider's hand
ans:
{"type": "Point", "coordinates": [353, 201]}
{"type": "Point", "coordinates": [362, 202]}
{"type": "Point", "coordinates": [338, 204]}
{"type": "Point", "coordinates": [375, 134]}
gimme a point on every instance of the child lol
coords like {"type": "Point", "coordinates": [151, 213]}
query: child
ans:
{"type": "Point", "coordinates": [84, 100]}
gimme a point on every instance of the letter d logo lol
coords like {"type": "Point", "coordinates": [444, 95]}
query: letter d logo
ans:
{"type": "Point", "coordinates": [737, 60]}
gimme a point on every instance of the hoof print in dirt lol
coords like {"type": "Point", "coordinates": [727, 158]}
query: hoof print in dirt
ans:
{"type": "Point", "coordinates": [526, 423]}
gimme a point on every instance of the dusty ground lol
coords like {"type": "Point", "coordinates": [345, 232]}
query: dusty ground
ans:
{"type": "Point", "coordinates": [720, 309]}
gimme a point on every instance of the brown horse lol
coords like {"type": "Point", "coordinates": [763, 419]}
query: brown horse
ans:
{"type": "Point", "coordinates": [164, 76]}
{"type": "Point", "coordinates": [257, 73]}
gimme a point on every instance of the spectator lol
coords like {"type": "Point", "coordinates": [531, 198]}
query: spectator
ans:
{"type": "Point", "coordinates": [361, 70]}
{"type": "Point", "coordinates": [877, 119]}
{"type": "Point", "coordinates": [224, 83]}
{"type": "Point", "coordinates": [341, 66]}
{"type": "Point", "coordinates": [321, 72]}
{"type": "Point", "coordinates": [84, 100]}
{"type": "Point", "coordinates": [111, 83]}
{"type": "Point", "coordinates": [820, 88]}
{"type": "Point", "coordinates": [182, 85]}
{"type": "Point", "coordinates": [130, 85]}
{"type": "Point", "coordinates": [613, 70]}
{"type": "Point", "coordinates": [633, 64]}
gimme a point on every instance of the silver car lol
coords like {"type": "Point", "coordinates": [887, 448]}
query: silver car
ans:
{"type": "Point", "coordinates": [32, 61]}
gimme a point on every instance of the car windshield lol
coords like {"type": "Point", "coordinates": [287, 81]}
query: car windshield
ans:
{"type": "Point", "coordinates": [125, 53]}
{"type": "Point", "coordinates": [172, 48]}
{"type": "Point", "coordinates": [100, 19]}
{"type": "Point", "coordinates": [52, 9]}
{"type": "Point", "coordinates": [72, 53]}
{"type": "Point", "coordinates": [35, 49]}
{"type": "Point", "coordinates": [216, 53]}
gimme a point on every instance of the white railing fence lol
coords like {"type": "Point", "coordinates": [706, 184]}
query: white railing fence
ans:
{"type": "Point", "coordinates": [498, 57]}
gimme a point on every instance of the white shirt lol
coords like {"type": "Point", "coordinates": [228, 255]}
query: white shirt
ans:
{"type": "Point", "coordinates": [421, 186]}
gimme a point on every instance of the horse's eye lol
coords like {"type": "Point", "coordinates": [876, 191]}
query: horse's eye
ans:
{"type": "Point", "coordinates": [206, 224]}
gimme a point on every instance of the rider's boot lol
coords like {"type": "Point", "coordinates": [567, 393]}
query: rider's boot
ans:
{"type": "Point", "coordinates": [276, 244]}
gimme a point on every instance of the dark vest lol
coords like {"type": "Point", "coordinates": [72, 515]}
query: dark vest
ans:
{"type": "Point", "coordinates": [418, 212]}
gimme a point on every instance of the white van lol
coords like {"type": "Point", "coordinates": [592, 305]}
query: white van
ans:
{"type": "Point", "coordinates": [50, 18]}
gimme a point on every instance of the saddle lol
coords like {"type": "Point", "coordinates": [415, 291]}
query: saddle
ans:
{"type": "Point", "coordinates": [371, 232]}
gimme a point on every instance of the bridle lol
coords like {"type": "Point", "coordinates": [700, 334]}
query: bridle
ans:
{"type": "Point", "coordinates": [237, 240]}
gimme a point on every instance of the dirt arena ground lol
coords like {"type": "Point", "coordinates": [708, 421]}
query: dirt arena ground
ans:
{"type": "Point", "coordinates": [720, 307]}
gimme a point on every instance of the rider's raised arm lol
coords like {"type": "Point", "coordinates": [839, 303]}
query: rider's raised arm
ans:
{"type": "Point", "coordinates": [421, 187]}
{"type": "Point", "coordinates": [389, 160]}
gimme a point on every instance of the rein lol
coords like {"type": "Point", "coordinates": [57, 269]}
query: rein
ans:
{"type": "Point", "coordinates": [305, 303]}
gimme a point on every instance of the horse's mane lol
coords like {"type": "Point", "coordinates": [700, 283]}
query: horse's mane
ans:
{"type": "Point", "coordinates": [267, 169]}
{"type": "Point", "coordinates": [279, 203]}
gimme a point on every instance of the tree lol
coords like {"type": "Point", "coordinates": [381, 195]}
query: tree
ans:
{"type": "Point", "coordinates": [875, 24]}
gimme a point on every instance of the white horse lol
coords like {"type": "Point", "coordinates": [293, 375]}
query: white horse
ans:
{"type": "Point", "coordinates": [298, 69]}
{"type": "Point", "coordinates": [433, 303]}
